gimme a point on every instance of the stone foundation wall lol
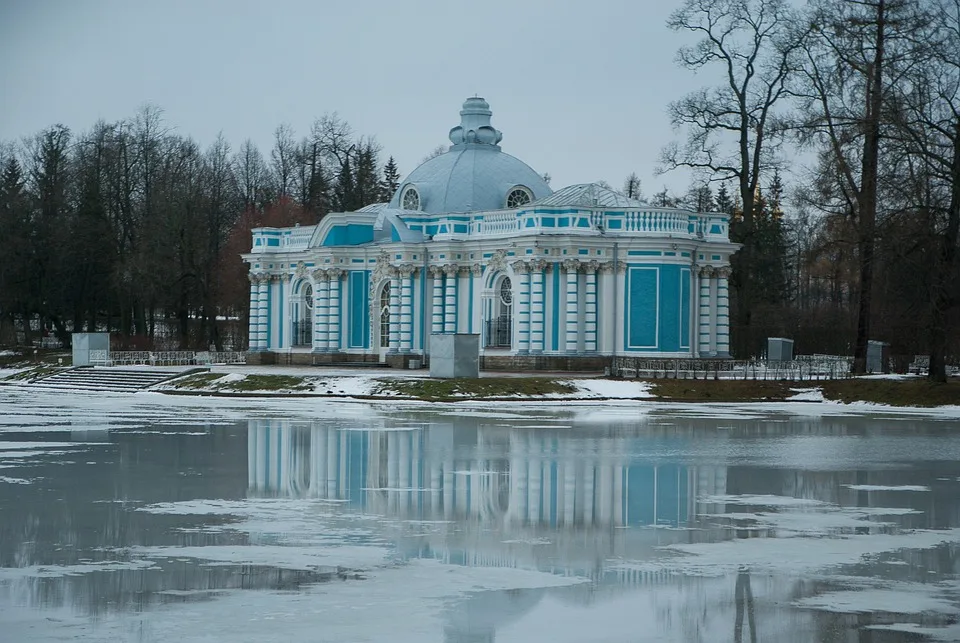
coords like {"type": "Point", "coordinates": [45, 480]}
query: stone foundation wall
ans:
{"type": "Point", "coordinates": [506, 363]}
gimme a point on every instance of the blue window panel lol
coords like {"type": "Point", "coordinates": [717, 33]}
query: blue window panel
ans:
{"type": "Point", "coordinates": [273, 242]}
{"type": "Point", "coordinates": [356, 261]}
{"type": "Point", "coordinates": [716, 229]}
{"type": "Point", "coordinates": [258, 241]}
{"type": "Point", "coordinates": [642, 303]}
{"type": "Point", "coordinates": [669, 308]}
{"type": "Point", "coordinates": [685, 308]}
{"type": "Point", "coordinates": [615, 224]}
{"type": "Point", "coordinates": [563, 222]}
{"type": "Point", "coordinates": [352, 234]}
{"type": "Point", "coordinates": [682, 254]}
{"type": "Point", "coordinates": [716, 258]}
{"type": "Point", "coordinates": [669, 254]}
{"type": "Point", "coordinates": [529, 251]}
{"type": "Point", "coordinates": [548, 222]}
{"type": "Point", "coordinates": [530, 223]}
{"type": "Point", "coordinates": [643, 253]}
{"type": "Point", "coordinates": [583, 222]}
{"type": "Point", "coordinates": [583, 251]}
{"type": "Point", "coordinates": [359, 310]}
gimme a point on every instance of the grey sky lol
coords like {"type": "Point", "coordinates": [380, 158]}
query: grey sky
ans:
{"type": "Point", "coordinates": [579, 89]}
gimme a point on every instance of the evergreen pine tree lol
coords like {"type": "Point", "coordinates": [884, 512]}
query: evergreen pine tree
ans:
{"type": "Point", "coordinates": [391, 180]}
{"type": "Point", "coordinates": [367, 188]}
{"type": "Point", "coordinates": [344, 191]}
{"type": "Point", "coordinates": [723, 202]}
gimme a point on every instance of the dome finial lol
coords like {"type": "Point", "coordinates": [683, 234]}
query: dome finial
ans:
{"type": "Point", "coordinates": [474, 127]}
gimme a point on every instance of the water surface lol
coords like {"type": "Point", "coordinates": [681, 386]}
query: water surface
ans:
{"type": "Point", "coordinates": [144, 521]}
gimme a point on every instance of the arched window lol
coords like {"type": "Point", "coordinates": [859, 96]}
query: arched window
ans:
{"type": "Point", "coordinates": [303, 327]}
{"type": "Point", "coordinates": [385, 315]}
{"type": "Point", "coordinates": [500, 325]}
{"type": "Point", "coordinates": [410, 199]}
{"type": "Point", "coordinates": [308, 297]}
{"type": "Point", "coordinates": [518, 196]}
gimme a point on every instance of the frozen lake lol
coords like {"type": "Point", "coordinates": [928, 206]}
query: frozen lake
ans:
{"type": "Point", "coordinates": [149, 518]}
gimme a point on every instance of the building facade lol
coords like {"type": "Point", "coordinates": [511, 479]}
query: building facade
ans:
{"type": "Point", "coordinates": [474, 241]}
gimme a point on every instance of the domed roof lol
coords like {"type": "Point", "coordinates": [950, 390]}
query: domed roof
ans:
{"type": "Point", "coordinates": [474, 174]}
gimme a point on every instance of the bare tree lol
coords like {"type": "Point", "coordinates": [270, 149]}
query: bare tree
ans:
{"type": "Point", "coordinates": [732, 130]}
{"type": "Point", "coordinates": [283, 157]}
{"type": "Point", "coordinates": [847, 70]}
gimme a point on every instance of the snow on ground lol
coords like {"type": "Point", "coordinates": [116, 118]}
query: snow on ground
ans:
{"type": "Point", "coordinates": [806, 395]}
{"type": "Point", "coordinates": [880, 487]}
{"type": "Point", "coordinates": [624, 389]}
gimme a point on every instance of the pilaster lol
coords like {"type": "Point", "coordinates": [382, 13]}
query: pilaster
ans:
{"type": "Point", "coordinates": [571, 268]}
{"type": "Point", "coordinates": [394, 310]}
{"type": "Point", "coordinates": [333, 311]}
{"type": "Point", "coordinates": [321, 309]}
{"type": "Point", "coordinates": [590, 301]}
{"type": "Point", "coordinates": [537, 339]}
{"type": "Point", "coordinates": [723, 312]}
{"type": "Point", "coordinates": [522, 293]}
{"type": "Point", "coordinates": [436, 315]}
{"type": "Point", "coordinates": [450, 298]}
{"type": "Point", "coordinates": [705, 348]}
{"type": "Point", "coordinates": [406, 307]}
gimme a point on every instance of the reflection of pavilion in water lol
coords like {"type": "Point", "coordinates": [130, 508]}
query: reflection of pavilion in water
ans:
{"type": "Point", "coordinates": [508, 476]}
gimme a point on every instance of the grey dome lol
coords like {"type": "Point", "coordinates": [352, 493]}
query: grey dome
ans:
{"type": "Point", "coordinates": [474, 174]}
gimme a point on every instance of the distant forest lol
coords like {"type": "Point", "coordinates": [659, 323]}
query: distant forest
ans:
{"type": "Point", "coordinates": [830, 132]}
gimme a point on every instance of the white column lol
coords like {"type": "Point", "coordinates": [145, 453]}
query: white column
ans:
{"type": "Point", "coordinates": [333, 312]}
{"type": "Point", "coordinates": [704, 314]}
{"type": "Point", "coordinates": [262, 312]}
{"type": "Point", "coordinates": [723, 313]}
{"type": "Point", "coordinates": [284, 313]}
{"type": "Point", "coordinates": [406, 308]}
{"type": "Point", "coordinates": [450, 299]}
{"type": "Point", "coordinates": [590, 314]}
{"type": "Point", "coordinates": [394, 311]}
{"type": "Point", "coordinates": [571, 267]}
{"type": "Point", "coordinates": [436, 316]}
{"type": "Point", "coordinates": [321, 304]}
{"type": "Point", "coordinates": [537, 338]}
{"type": "Point", "coordinates": [254, 310]}
{"type": "Point", "coordinates": [521, 293]}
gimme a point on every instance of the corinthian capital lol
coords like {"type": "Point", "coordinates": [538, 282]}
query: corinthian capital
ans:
{"type": "Point", "coordinates": [520, 267]}
{"type": "Point", "coordinates": [571, 265]}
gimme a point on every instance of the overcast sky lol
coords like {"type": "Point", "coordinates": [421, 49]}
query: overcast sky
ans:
{"type": "Point", "coordinates": [579, 89]}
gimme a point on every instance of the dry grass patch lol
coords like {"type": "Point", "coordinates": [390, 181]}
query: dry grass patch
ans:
{"type": "Point", "coordinates": [445, 390]}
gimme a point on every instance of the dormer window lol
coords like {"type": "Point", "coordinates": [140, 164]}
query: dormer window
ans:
{"type": "Point", "coordinates": [518, 197]}
{"type": "Point", "coordinates": [410, 200]}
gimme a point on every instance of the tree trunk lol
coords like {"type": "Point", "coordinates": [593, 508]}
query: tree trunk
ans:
{"type": "Point", "coordinates": [941, 299]}
{"type": "Point", "coordinates": [867, 204]}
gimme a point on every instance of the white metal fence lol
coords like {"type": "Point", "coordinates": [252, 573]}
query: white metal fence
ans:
{"type": "Point", "coordinates": [812, 367]}
{"type": "Point", "coordinates": [166, 358]}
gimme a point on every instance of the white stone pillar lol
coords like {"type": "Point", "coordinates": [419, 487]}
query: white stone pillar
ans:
{"type": "Point", "coordinates": [406, 307]}
{"type": "Point", "coordinates": [590, 314]}
{"type": "Point", "coordinates": [394, 310]}
{"type": "Point", "coordinates": [262, 312]}
{"type": "Point", "coordinates": [704, 314]}
{"type": "Point", "coordinates": [723, 313]}
{"type": "Point", "coordinates": [321, 304]}
{"type": "Point", "coordinates": [436, 316]}
{"type": "Point", "coordinates": [521, 293]}
{"type": "Point", "coordinates": [572, 267]}
{"type": "Point", "coordinates": [450, 298]}
{"type": "Point", "coordinates": [537, 337]}
{"type": "Point", "coordinates": [333, 311]}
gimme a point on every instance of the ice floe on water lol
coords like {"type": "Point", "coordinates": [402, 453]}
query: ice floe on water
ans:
{"type": "Point", "coordinates": [762, 501]}
{"type": "Point", "coordinates": [902, 598]}
{"type": "Point", "coordinates": [284, 557]}
{"type": "Point", "coordinates": [795, 556]}
{"type": "Point", "coordinates": [880, 487]}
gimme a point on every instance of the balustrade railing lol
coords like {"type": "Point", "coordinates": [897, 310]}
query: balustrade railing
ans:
{"type": "Point", "coordinates": [165, 358]}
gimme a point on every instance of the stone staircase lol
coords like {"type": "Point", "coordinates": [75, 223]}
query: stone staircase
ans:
{"type": "Point", "coordinates": [122, 380]}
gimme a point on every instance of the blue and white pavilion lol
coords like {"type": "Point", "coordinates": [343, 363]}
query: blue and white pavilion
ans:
{"type": "Point", "coordinates": [474, 241]}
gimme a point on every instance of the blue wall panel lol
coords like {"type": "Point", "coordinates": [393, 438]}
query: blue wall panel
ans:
{"type": "Point", "coordinates": [669, 308]}
{"type": "Point", "coordinates": [685, 287]}
{"type": "Point", "coordinates": [641, 299]}
{"type": "Point", "coordinates": [359, 310]}
{"type": "Point", "coordinates": [352, 234]}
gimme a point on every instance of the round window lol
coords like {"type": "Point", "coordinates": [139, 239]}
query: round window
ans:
{"type": "Point", "coordinates": [308, 296]}
{"type": "Point", "coordinates": [506, 291]}
{"type": "Point", "coordinates": [517, 197]}
{"type": "Point", "coordinates": [410, 199]}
